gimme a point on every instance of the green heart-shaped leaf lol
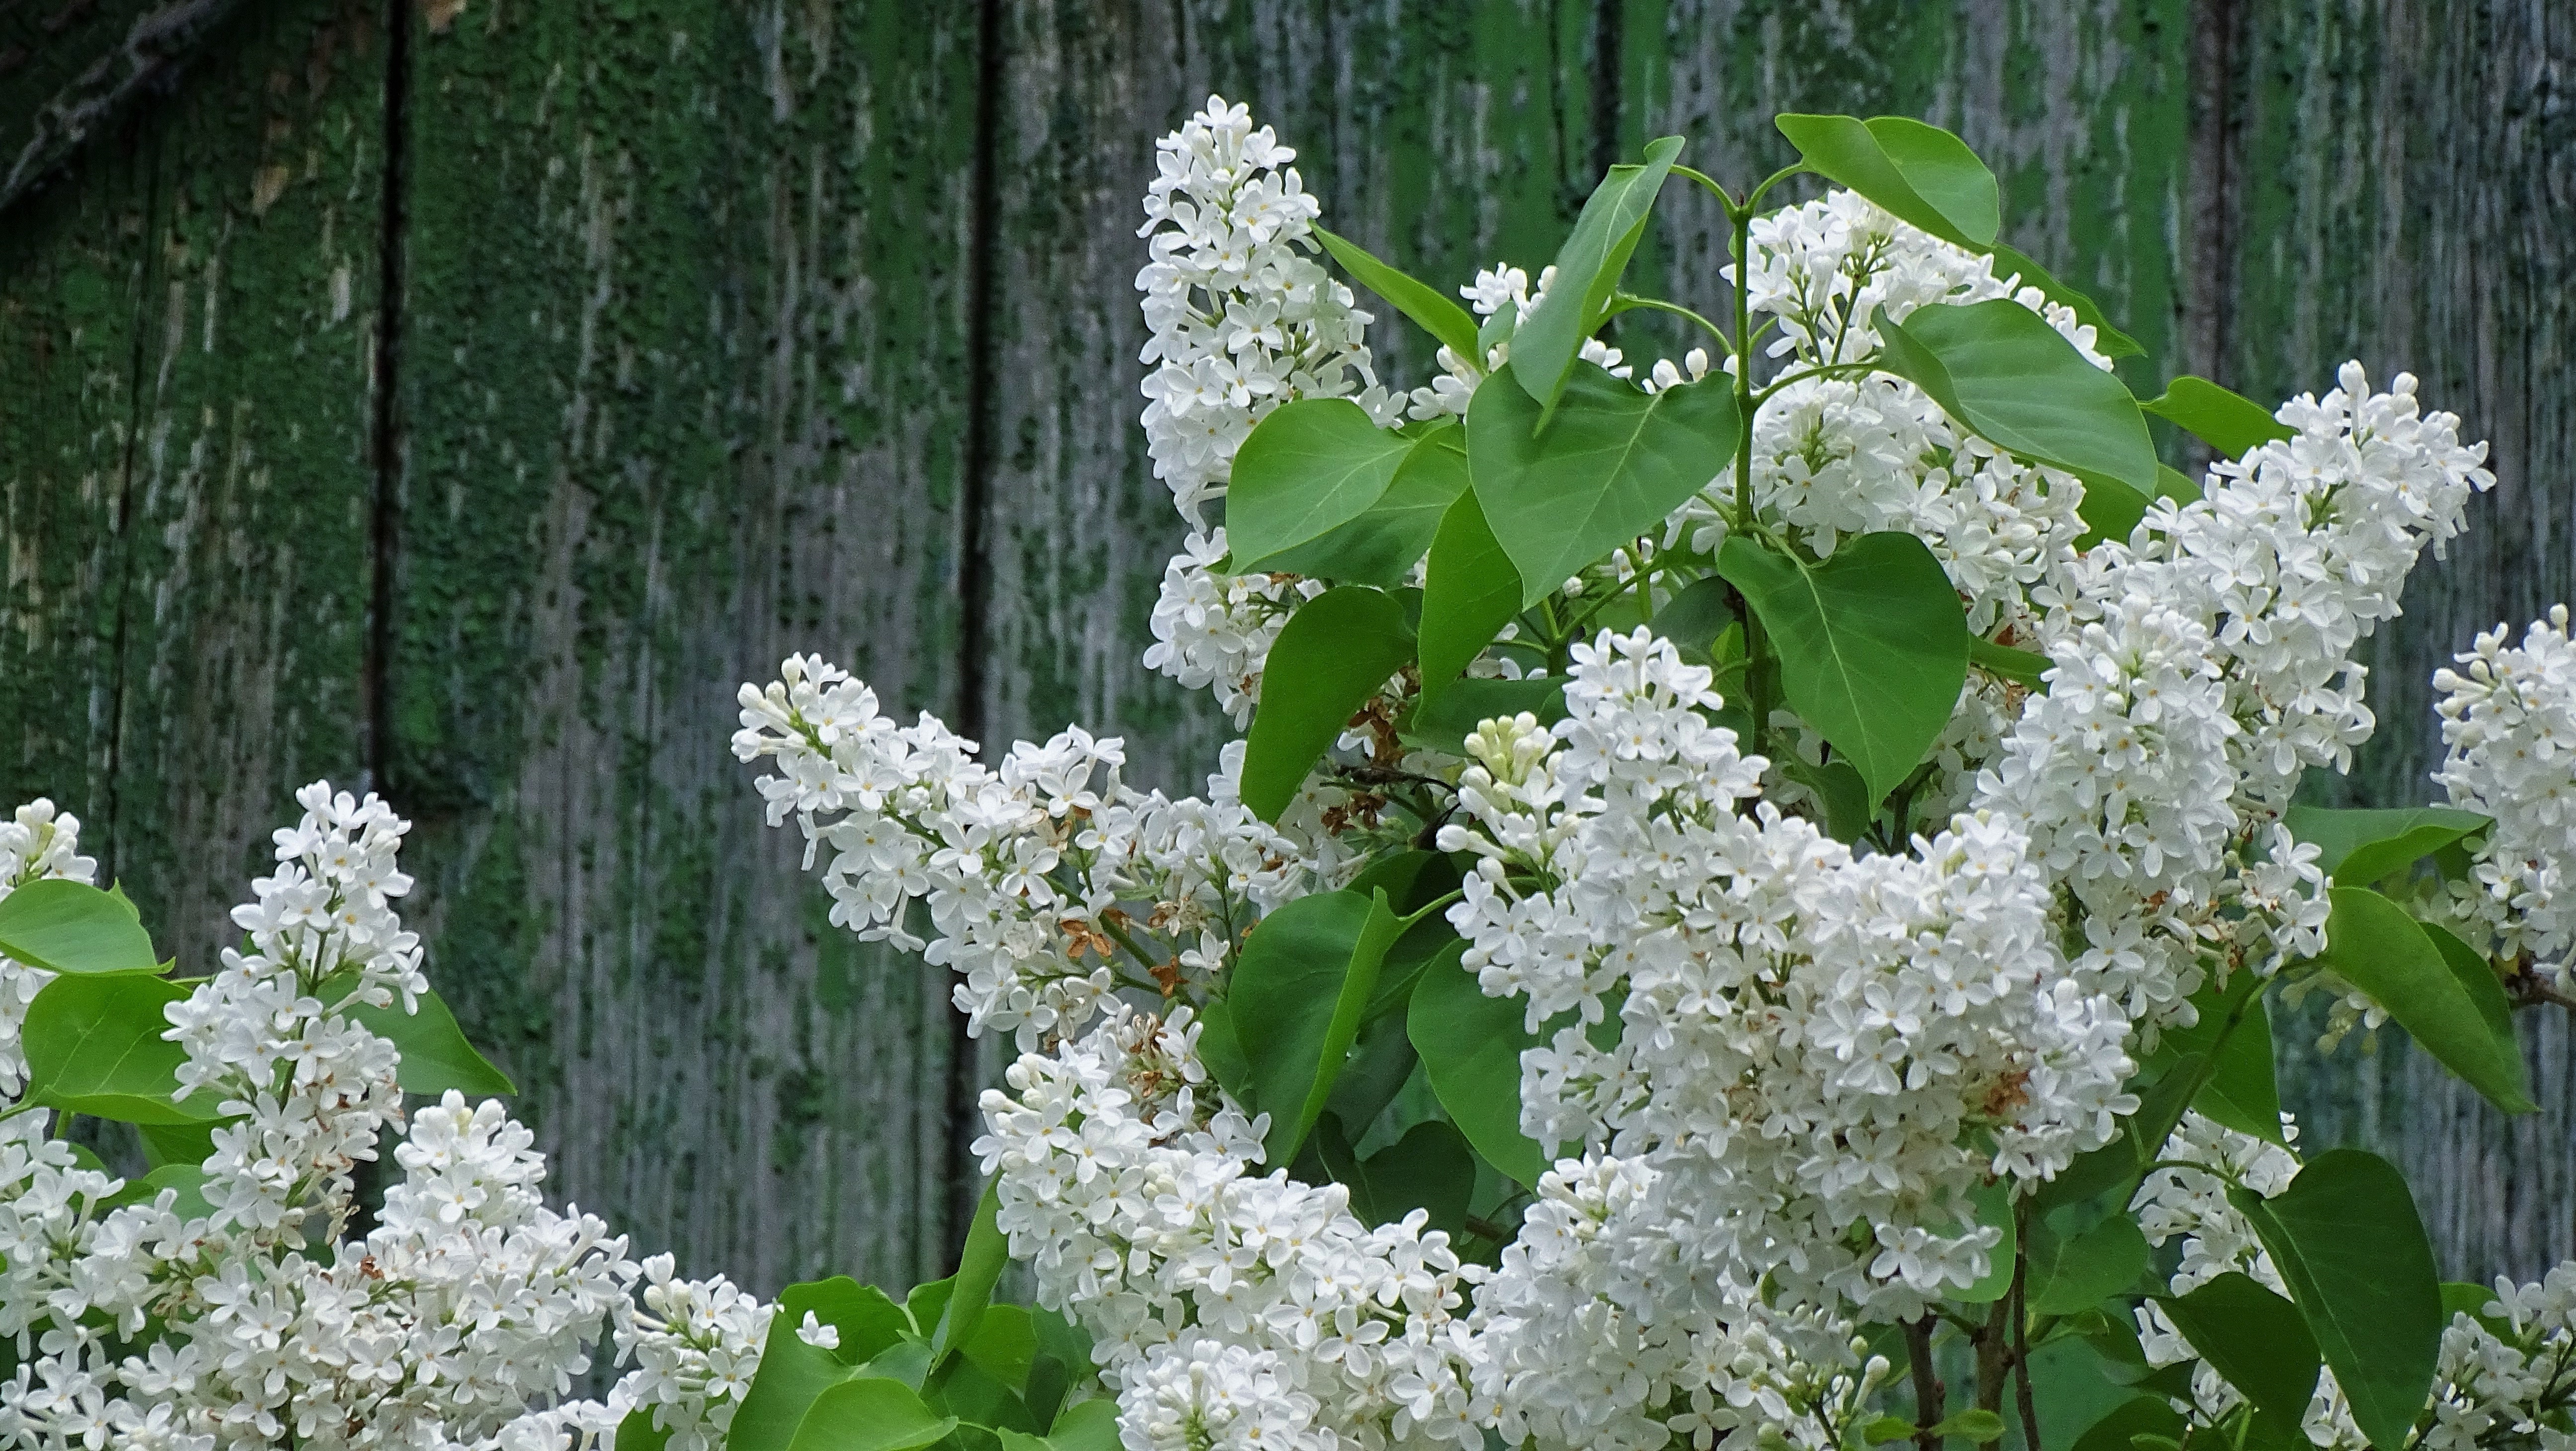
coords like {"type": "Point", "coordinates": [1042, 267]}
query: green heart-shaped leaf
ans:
{"type": "Point", "coordinates": [1336, 651]}
{"type": "Point", "coordinates": [2002, 372]}
{"type": "Point", "coordinates": [1872, 642]}
{"type": "Point", "coordinates": [1917, 172]}
{"type": "Point", "coordinates": [1546, 342]}
{"type": "Point", "coordinates": [1612, 466]}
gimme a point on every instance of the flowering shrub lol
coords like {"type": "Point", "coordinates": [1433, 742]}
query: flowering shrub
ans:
{"type": "Point", "coordinates": [1744, 876]}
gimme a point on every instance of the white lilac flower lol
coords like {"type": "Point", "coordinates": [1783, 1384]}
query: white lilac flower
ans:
{"type": "Point", "coordinates": [2509, 720]}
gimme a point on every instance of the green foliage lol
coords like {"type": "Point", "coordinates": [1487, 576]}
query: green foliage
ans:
{"type": "Point", "coordinates": [435, 1054]}
{"type": "Point", "coordinates": [1469, 592]}
{"type": "Point", "coordinates": [2001, 370]}
{"type": "Point", "coordinates": [1318, 489]}
{"type": "Point", "coordinates": [1921, 174]}
{"type": "Point", "coordinates": [1432, 312]}
{"type": "Point", "coordinates": [2243, 1089]}
{"type": "Point", "coordinates": [1307, 976]}
{"type": "Point", "coordinates": [71, 927]}
{"type": "Point", "coordinates": [2228, 422]}
{"type": "Point", "coordinates": [1471, 1051]}
{"type": "Point", "coordinates": [2373, 944]}
{"type": "Point", "coordinates": [1336, 651]}
{"type": "Point", "coordinates": [1610, 467]}
{"type": "Point", "coordinates": [1588, 268]}
{"type": "Point", "coordinates": [2257, 1341]}
{"type": "Point", "coordinates": [94, 1046]}
{"type": "Point", "coordinates": [2347, 1241]}
{"type": "Point", "coordinates": [2364, 847]}
{"type": "Point", "coordinates": [1873, 647]}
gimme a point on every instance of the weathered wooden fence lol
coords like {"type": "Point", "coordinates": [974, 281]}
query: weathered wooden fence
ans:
{"type": "Point", "coordinates": [462, 396]}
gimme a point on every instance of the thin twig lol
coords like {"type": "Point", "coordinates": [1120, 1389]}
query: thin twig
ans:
{"type": "Point", "coordinates": [2021, 1334]}
{"type": "Point", "coordinates": [1927, 1383]}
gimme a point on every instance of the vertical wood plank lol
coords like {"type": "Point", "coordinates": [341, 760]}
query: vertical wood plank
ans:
{"type": "Point", "coordinates": [194, 330]}
{"type": "Point", "coordinates": [682, 392]}
{"type": "Point", "coordinates": [2404, 197]}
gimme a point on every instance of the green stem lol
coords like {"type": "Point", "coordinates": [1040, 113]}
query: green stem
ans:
{"type": "Point", "coordinates": [1676, 309]}
{"type": "Point", "coordinates": [1829, 370]}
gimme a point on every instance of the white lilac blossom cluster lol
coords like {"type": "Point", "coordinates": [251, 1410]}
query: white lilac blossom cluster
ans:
{"type": "Point", "coordinates": [236, 1315]}
{"type": "Point", "coordinates": [2502, 1368]}
{"type": "Point", "coordinates": [1805, 1041]}
{"type": "Point", "coordinates": [1033, 875]}
{"type": "Point", "coordinates": [2509, 720]}
{"type": "Point", "coordinates": [1232, 1311]}
{"type": "Point", "coordinates": [1784, 1072]}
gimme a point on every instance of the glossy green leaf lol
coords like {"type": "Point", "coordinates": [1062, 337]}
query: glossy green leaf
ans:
{"type": "Point", "coordinates": [962, 1388]}
{"type": "Point", "coordinates": [869, 1321]}
{"type": "Point", "coordinates": [2474, 1302]}
{"type": "Point", "coordinates": [638, 1433]}
{"type": "Point", "coordinates": [1433, 312]}
{"type": "Point", "coordinates": [1444, 723]}
{"type": "Point", "coordinates": [2174, 484]}
{"type": "Point", "coordinates": [1545, 343]}
{"type": "Point", "coordinates": [2000, 370]}
{"type": "Point", "coordinates": [1382, 545]}
{"type": "Point", "coordinates": [1612, 466]}
{"type": "Point", "coordinates": [1381, 1059]}
{"type": "Point", "coordinates": [2363, 846]}
{"type": "Point", "coordinates": [1843, 794]}
{"type": "Point", "coordinates": [2025, 666]}
{"type": "Point", "coordinates": [2243, 1091]}
{"type": "Point", "coordinates": [2347, 1241]}
{"type": "Point", "coordinates": [72, 927]}
{"type": "Point", "coordinates": [186, 1143]}
{"type": "Point", "coordinates": [2229, 422]}
{"type": "Point", "coordinates": [1872, 643]}
{"type": "Point", "coordinates": [1431, 1168]}
{"type": "Point", "coordinates": [1305, 976]}
{"type": "Point", "coordinates": [1308, 467]}
{"type": "Point", "coordinates": [94, 1046]}
{"type": "Point", "coordinates": [1222, 1052]}
{"type": "Point", "coordinates": [2144, 1417]}
{"type": "Point", "coordinates": [868, 1413]}
{"type": "Point", "coordinates": [792, 1375]}
{"type": "Point", "coordinates": [1469, 592]}
{"type": "Point", "coordinates": [1975, 1425]}
{"type": "Point", "coordinates": [1994, 1211]}
{"type": "Point", "coordinates": [2374, 945]}
{"type": "Point", "coordinates": [2256, 1340]}
{"type": "Point", "coordinates": [186, 1181]}
{"type": "Point", "coordinates": [1921, 173]}
{"type": "Point", "coordinates": [1086, 1426]}
{"type": "Point", "coordinates": [2109, 341]}
{"type": "Point", "coordinates": [980, 1263]}
{"type": "Point", "coordinates": [1471, 1051]}
{"type": "Point", "coordinates": [435, 1054]}
{"type": "Point", "coordinates": [1695, 617]}
{"type": "Point", "coordinates": [2072, 1272]}
{"type": "Point", "coordinates": [1333, 655]}
{"type": "Point", "coordinates": [2478, 979]}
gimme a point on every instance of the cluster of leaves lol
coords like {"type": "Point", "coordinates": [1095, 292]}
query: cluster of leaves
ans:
{"type": "Point", "coordinates": [1536, 520]}
{"type": "Point", "coordinates": [945, 1367]}
{"type": "Point", "coordinates": [94, 1045]}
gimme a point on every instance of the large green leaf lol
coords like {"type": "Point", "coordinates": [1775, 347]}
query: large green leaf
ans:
{"type": "Point", "coordinates": [2080, 1269]}
{"type": "Point", "coordinates": [2109, 341]}
{"type": "Point", "coordinates": [1381, 546]}
{"type": "Point", "coordinates": [2256, 1340]}
{"type": "Point", "coordinates": [1547, 340]}
{"type": "Point", "coordinates": [1872, 643]}
{"type": "Point", "coordinates": [2365, 845]}
{"type": "Point", "coordinates": [1994, 1211]}
{"type": "Point", "coordinates": [792, 1376]}
{"type": "Point", "coordinates": [2025, 666]}
{"type": "Point", "coordinates": [2243, 1091]}
{"type": "Point", "coordinates": [869, 1321]}
{"type": "Point", "coordinates": [1310, 466]}
{"type": "Point", "coordinates": [2347, 1241]}
{"type": "Point", "coordinates": [2130, 1425]}
{"type": "Point", "coordinates": [1922, 174]}
{"type": "Point", "coordinates": [980, 1263]}
{"type": "Point", "coordinates": [94, 1046]}
{"type": "Point", "coordinates": [1437, 315]}
{"type": "Point", "coordinates": [2375, 946]}
{"type": "Point", "coordinates": [2229, 422]}
{"type": "Point", "coordinates": [2478, 979]}
{"type": "Point", "coordinates": [638, 1433]}
{"type": "Point", "coordinates": [1471, 1050]}
{"type": "Point", "coordinates": [867, 1413]}
{"type": "Point", "coordinates": [1296, 995]}
{"type": "Point", "coordinates": [1336, 651]}
{"type": "Point", "coordinates": [66, 926]}
{"type": "Point", "coordinates": [1612, 466]}
{"type": "Point", "coordinates": [1444, 723]}
{"type": "Point", "coordinates": [2001, 371]}
{"type": "Point", "coordinates": [435, 1054]}
{"type": "Point", "coordinates": [1469, 592]}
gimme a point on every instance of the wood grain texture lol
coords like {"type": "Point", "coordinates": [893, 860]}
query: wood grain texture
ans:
{"type": "Point", "coordinates": [70, 68]}
{"type": "Point", "coordinates": [197, 328]}
{"type": "Point", "coordinates": [681, 392]}
{"type": "Point", "coordinates": [2404, 196]}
